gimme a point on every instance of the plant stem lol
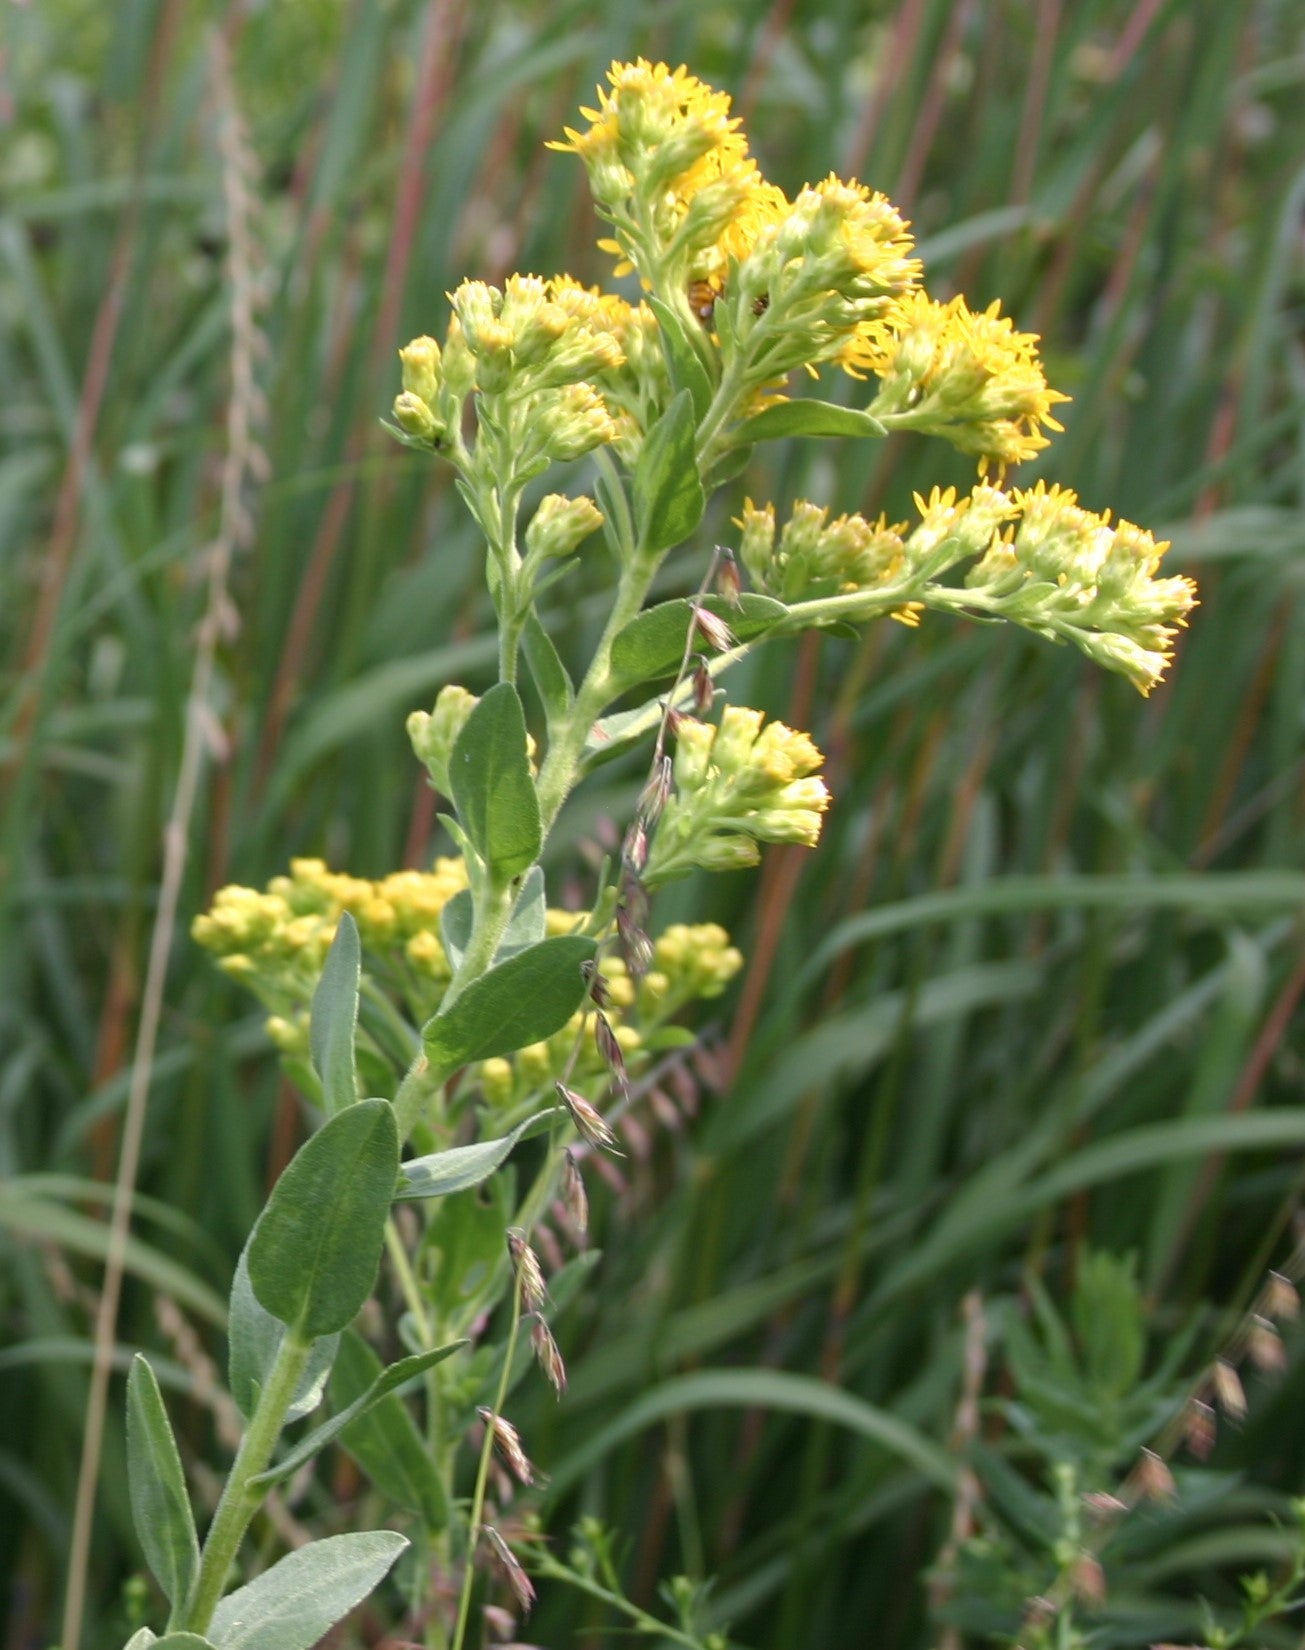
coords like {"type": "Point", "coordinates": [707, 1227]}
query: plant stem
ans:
{"type": "Point", "coordinates": [482, 1472]}
{"type": "Point", "coordinates": [240, 1501]}
{"type": "Point", "coordinates": [558, 773]}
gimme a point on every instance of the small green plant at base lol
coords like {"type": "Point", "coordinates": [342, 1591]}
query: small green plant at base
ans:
{"type": "Point", "coordinates": [457, 1016]}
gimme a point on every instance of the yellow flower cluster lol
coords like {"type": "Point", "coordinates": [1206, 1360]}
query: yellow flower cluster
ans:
{"type": "Point", "coordinates": [691, 962]}
{"type": "Point", "coordinates": [736, 784]}
{"type": "Point", "coordinates": [1072, 575]}
{"type": "Point", "coordinates": [531, 344]}
{"type": "Point", "coordinates": [275, 942]}
{"type": "Point", "coordinates": [816, 556]}
{"type": "Point", "coordinates": [968, 377]}
{"type": "Point", "coordinates": [1039, 560]}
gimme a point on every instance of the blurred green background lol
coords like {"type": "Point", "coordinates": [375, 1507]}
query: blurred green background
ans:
{"type": "Point", "coordinates": [1035, 996]}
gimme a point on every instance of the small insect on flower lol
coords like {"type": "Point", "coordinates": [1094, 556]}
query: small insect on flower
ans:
{"type": "Point", "coordinates": [702, 300]}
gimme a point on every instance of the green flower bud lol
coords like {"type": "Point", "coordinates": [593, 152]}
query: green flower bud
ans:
{"type": "Point", "coordinates": [421, 366]}
{"type": "Point", "coordinates": [415, 418]}
{"type": "Point", "coordinates": [560, 525]}
{"type": "Point", "coordinates": [433, 733]}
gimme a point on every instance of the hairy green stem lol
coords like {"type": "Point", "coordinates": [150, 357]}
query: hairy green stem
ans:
{"type": "Point", "coordinates": [240, 1499]}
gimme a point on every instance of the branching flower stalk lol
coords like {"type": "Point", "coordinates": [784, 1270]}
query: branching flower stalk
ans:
{"type": "Point", "coordinates": [483, 1017]}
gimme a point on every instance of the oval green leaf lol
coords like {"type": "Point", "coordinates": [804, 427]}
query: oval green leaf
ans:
{"type": "Point", "coordinates": [653, 644]}
{"type": "Point", "coordinates": [334, 1021]}
{"type": "Point", "coordinates": [489, 775]}
{"type": "Point", "coordinates": [807, 417]}
{"type": "Point", "coordinates": [520, 1001]}
{"type": "Point", "coordinates": [292, 1605]}
{"type": "Point", "coordinates": [315, 1250]}
{"type": "Point", "coordinates": [160, 1506]}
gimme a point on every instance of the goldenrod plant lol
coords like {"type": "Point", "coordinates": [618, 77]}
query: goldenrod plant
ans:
{"type": "Point", "coordinates": [453, 1027]}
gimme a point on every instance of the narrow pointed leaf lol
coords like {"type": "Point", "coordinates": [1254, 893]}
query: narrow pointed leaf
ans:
{"type": "Point", "coordinates": [334, 1021]}
{"type": "Point", "coordinates": [687, 370]}
{"type": "Point", "coordinates": [182, 1641]}
{"type": "Point", "coordinates": [384, 1439]}
{"type": "Point", "coordinates": [489, 775]}
{"type": "Point", "coordinates": [520, 1001]}
{"type": "Point", "coordinates": [254, 1338]}
{"type": "Point", "coordinates": [668, 495]}
{"type": "Point", "coordinates": [315, 1250]}
{"type": "Point", "coordinates": [389, 1380]}
{"type": "Point", "coordinates": [160, 1505]}
{"type": "Point", "coordinates": [556, 689]}
{"type": "Point", "coordinates": [292, 1605]}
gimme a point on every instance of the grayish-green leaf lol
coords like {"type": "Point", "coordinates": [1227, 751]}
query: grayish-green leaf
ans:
{"type": "Point", "coordinates": [459, 1167]}
{"type": "Point", "coordinates": [520, 1001]}
{"type": "Point", "coordinates": [291, 1606]}
{"type": "Point", "coordinates": [315, 1250]}
{"type": "Point", "coordinates": [254, 1339]}
{"type": "Point", "coordinates": [489, 775]}
{"type": "Point", "coordinates": [334, 1020]}
{"type": "Point", "coordinates": [160, 1505]}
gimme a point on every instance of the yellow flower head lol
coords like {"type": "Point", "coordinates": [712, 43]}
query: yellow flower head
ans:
{"type": "Point", "coordinates": [970, 377]}
{"type": "Point", "coordinates": [655, 125]}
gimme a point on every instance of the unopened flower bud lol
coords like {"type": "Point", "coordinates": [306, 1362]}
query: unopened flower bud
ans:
{"type": "Point", "coordinates": [421, 366]}
{"type": "Point", "coordinates": [610, 1050]}
{"type": "Point", "coordinates": [589, 1123]}
{"type": "Point", "coordinates": [574, 1197]}
{"type": "Point", "coordinates": [508, 1441]}
{"type": "Point", "coordinates": [415, 418]}
{"type": "Point", "coordinates": [1153, 1479]}
{"type": "Point", "coordinates": [656, 791]}
{"type": "Point", "coordinates": [728, 581]}
{"type": "Point", "coordinates": [704, 691]}
{"type": "Point", "coordinates": [1228, 1389]}
{"type": "Point", "coordinates": [1264, 1344]}
{"type": "Point", "coordinates": [522, 1587]}
{"type": "Point", "coordinates": [1199, 1428]}
{"type": "Point", "coordinates": [434, 733]}
{"type": "Point", "coordinates": [525, 1263]}
{"type": "Point", "coordinates": [634, 850]}
{"type": "Point", "coordinates": [713, 630]}
{"type": "Point", "coordinates": [595, 984]}
{"type": "Point", "coordinates": [560, 525]}
{"type": "Point", "coordinates": [1088, 1579]}
{"type": "Point", "coordinates": [548, 1356]}
{"type": "Point", "coordinates": [1280, 1298]}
